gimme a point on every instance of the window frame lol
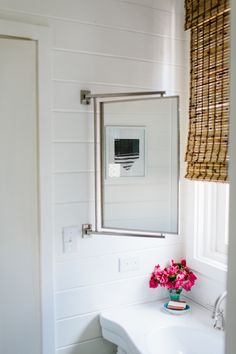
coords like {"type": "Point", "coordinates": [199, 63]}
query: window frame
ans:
{"type": "Point", "coordinates": [201, 245]}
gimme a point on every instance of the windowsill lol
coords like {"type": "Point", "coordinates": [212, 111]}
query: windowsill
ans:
{"type": "Point", "coordinates": [208, 267]}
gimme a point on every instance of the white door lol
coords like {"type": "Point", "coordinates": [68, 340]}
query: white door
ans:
{"type": "Point", "coordinates": [20, 319]}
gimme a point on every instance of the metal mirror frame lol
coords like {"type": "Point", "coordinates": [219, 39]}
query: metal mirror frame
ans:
{"type": "Point", "coordinates": [98, 101]}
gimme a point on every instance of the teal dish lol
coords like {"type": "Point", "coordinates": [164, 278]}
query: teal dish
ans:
{"type": "Point", "coordinates": [176, 312]}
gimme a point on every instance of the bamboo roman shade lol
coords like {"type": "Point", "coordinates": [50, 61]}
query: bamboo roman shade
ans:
{"type": "Point", "coordinates": [198, 11]}
{"type": "Point", "coordinates": [207, 148]}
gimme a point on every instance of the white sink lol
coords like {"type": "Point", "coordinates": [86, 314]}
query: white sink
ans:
{"type": "Point", "coordinates": [185, 340]}
{"type": "Point", "coordinates": [148, 329]}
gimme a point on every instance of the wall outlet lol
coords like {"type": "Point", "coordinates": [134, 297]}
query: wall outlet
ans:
{"type": "Point", "coordinates": [128, 264]}
{"type": "Point", "coordinates": [70, 238]}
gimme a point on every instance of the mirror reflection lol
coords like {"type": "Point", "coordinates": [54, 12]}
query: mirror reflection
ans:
{"type": "Point", "coordinates": [140, 164]}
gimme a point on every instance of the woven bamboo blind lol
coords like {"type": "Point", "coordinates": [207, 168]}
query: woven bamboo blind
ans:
{"type": "Point", "coordinates": [198, 11]}
{"type": "Point", "coordinates": [207, 148]}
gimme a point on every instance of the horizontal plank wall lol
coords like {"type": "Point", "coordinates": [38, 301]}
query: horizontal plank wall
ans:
{"type": "Point", "coordinates": [104, 46]}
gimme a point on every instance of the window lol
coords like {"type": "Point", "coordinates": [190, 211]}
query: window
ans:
{"type": "Point", "coordinates": [211, 209]}
{"type": "Point", "coordinates": [207, 149]}
{"type": "Point", "coordinates": [206, 229]}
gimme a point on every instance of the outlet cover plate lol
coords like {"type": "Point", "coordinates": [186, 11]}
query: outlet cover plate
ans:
{"type": "Point", "coordinates": [129, 263]}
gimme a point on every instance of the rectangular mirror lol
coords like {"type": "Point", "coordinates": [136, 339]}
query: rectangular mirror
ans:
{"type": "Point", "coordinates": [139, 163]}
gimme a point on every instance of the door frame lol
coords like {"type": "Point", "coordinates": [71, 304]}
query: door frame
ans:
{"type": "Point", "coordinates": [42, 36]}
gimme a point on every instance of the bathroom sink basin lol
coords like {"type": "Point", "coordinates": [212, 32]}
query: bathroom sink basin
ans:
{"type": "Point", "coordinates": [148, 329]}
{"type": "Point", "coordinates": [185, 340]}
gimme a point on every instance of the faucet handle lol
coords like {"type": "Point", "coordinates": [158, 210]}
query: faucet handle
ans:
{"type": "Point", "coordinates": [219, 322]}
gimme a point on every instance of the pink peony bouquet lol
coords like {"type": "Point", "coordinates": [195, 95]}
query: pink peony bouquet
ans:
{"type": "Point", "coordinates": [176, 276]}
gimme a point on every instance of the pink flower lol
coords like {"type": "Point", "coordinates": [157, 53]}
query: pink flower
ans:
{"type": "Point", "coordinates": [163, 280]}
{"type": "Point", "coordinates": [153, 283]}
{"type": "Point", "coordinates": [172, 270]}
{"type": "Point", "coordinates": [157, 268]}
{"type": "Point", "coordinates": [169, 285]}
{"type": "Point", "coordinates": [181, 276]}
{"type": "Point", "coordinates": [190, 281]}
{"type": "Point", "coordinates": [192, 277]}
{"type": "Point", "coordinates": [187, 286]}
{"type": "Point", "coordinates": [176, 276]}
{"type": "Point", "coordinates": [178, 284]}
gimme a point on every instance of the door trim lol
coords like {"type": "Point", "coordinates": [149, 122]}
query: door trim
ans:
{"type": "Point", "coordinates": [42, 37]}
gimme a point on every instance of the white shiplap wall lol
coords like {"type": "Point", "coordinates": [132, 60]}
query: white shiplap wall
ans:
{"type": "Point", "coordinates": [105, 46]}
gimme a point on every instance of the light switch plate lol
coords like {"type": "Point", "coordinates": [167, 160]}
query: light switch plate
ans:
{"type": "Point", "coordinates": [70, 238]}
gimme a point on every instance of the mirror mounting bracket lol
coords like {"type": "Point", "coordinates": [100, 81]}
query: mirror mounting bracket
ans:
{"type": "Point", "coordinates": [87, 230]}
{"type": "Point", "coordinates": [86, 95]}
{"type": "Point", "coordinates": [86, 98]}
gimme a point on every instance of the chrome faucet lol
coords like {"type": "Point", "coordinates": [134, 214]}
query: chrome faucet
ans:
{"type": "Point", "coordinates": [218, 312]}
